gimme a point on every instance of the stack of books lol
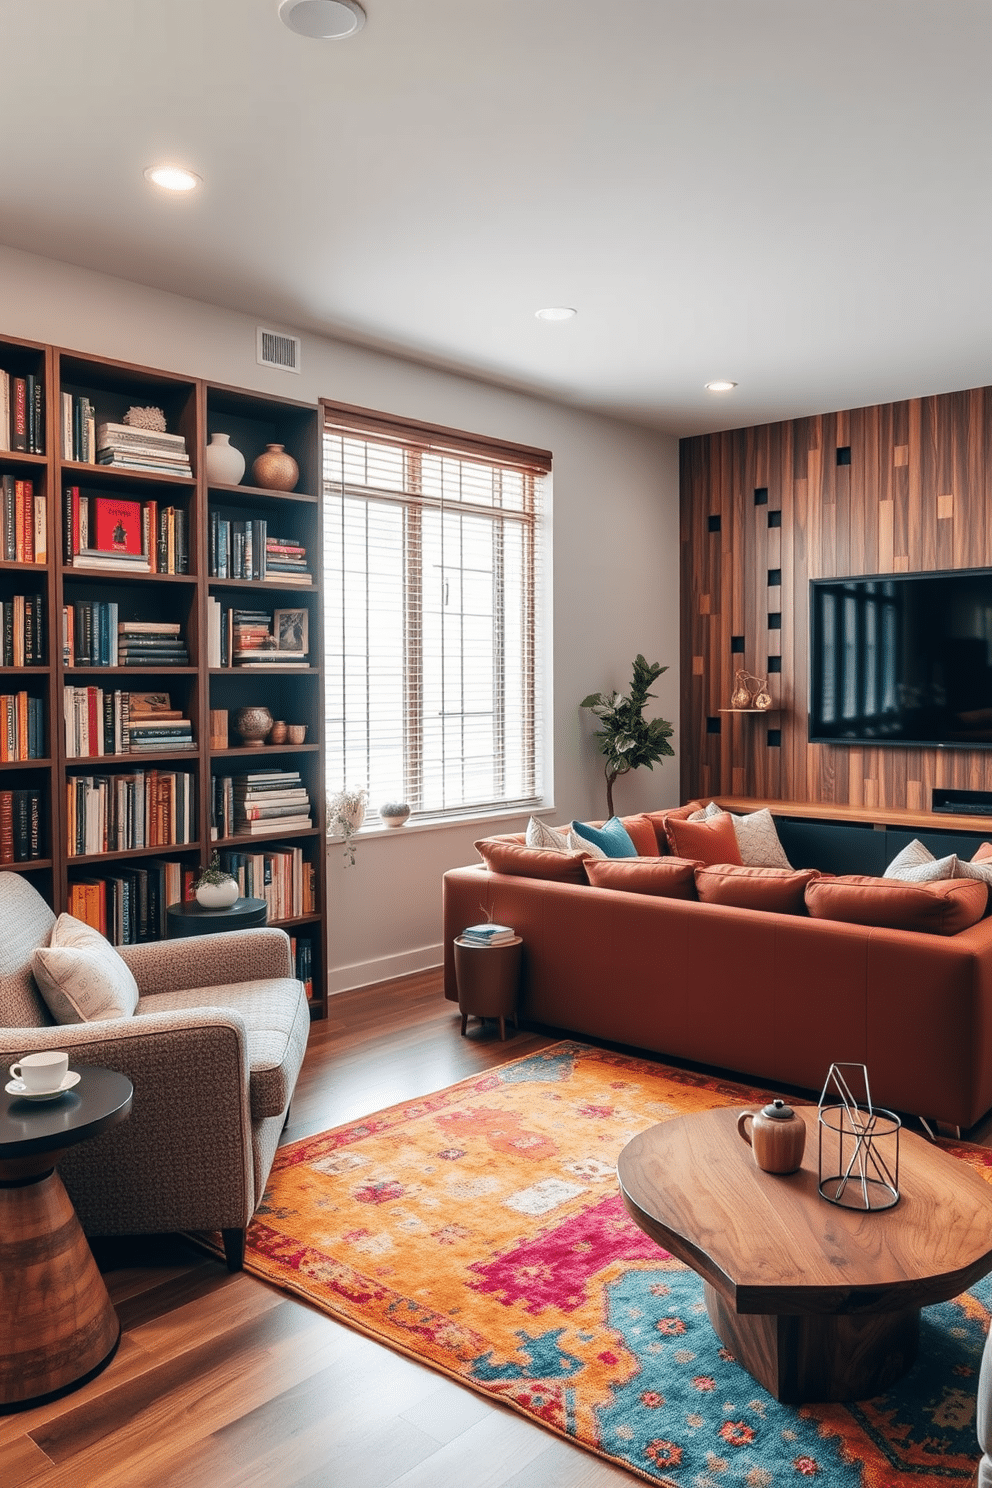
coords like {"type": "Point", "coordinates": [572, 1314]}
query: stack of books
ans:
{"type": "Point", "coordinates": [260, 804]}
{"type": "Point", "coordinates": [22, 726]}
{"type": "Point", "coordinates": [24, 534]}
{"type": "Point", "coordinates": [279, 875]}
{"type": "Point", "coordinates": [123, 536]}
{"type": "Point", "coordinates": [99, 723]}
{"type": "Point", "coordinates": [256, 638]}
{"type": "Point", "coordinates": [153, 723]}
{"type": "Point", "coordinates": [286, 561]}
{"type": "Point", "coordinates": [89, 633]}
{"type": "Point", "coordinates": [151, 643]}
{"type": "Point", "coordinates": [20, 825]}
{"type": "Point", "coordinates": [118, 813]}
{"type": "Point", "coordinates": [130, 906]}
{"type": "Point", "coordinates": [149, 450]}
{"type": "Point", "coordinates": [488, 935]}
{"type": "Point", "coordinates": [22, 418]}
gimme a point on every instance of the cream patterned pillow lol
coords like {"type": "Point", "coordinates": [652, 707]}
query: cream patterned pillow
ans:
{"type": "Point", "coordinates": [977, 868]}
{"type": "Point", "coordinates": [583, 845]}
{"type": "Point", "coordinates": [756, 836]}
{"type": "Point", "coordinates": [917, 864]}
{"type": "Point", "coordinates": [81, 976]}
{"type": "Point", "coordinates": [539, 834]}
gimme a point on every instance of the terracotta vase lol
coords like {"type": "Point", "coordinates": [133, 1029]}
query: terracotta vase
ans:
{"type": "Point", "coordinates": [253, 724]}
{"type": "Point", "coordinates": [275, 470]}
{"type": "Point", "coordinates": [225, 464]}
{"type": "Point", "coordinates": [277, 733]}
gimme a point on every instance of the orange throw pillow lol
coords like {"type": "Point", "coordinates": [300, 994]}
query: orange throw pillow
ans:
{"type": "Point", "coordinates": [640, 830]}
{"type": "Point", "coordinates": [782, 890]}
{"type": "Point", "coordinates": [711, 841]}
{"type": "Point", "coordinates": [501, 856]}
{"type": "Point", "coordinates": [659, 818]}
{"type": "Point", "coordinates": [942, 908]}
{"type": "Point", "coordinates": [666, 878]}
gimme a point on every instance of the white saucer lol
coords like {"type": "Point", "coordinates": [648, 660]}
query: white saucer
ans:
{"type": "Point", "coordinates": [18, 1087]}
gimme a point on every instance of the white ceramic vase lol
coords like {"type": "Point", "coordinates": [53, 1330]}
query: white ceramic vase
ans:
{"type": "Point", "coordinates": [218, 895]}
{"type": "Point", "coordinates": [225, 464]}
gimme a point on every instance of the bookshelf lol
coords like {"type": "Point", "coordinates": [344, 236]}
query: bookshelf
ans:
{"type": "Point", "coordinates": [153, 785]}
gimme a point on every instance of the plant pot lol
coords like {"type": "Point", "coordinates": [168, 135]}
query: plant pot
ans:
{"type": "Point", "coordinates": [395, 818]}
{"type": "Point", "coordinates": [218, 895]}
{"type": "Point", "coordinates": [275, 470]}
{"type": "Point", "coordinates": [225, 464]}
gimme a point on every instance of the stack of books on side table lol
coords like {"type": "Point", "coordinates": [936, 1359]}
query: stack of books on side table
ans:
{"type": "Point", "coordinates": [488, 935]}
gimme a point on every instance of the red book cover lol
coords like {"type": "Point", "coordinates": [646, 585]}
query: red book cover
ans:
{"type": "Point", "coordinates": [92, 721]}
{"type": "Point", "coordinates": [118, 525]}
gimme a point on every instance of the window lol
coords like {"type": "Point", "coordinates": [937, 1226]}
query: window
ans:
{"type": "Point", "coordinates": [432, 567]}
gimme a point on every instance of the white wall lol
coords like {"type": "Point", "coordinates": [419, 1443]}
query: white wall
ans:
{"type": "Point", "coordinates": [615, 560]}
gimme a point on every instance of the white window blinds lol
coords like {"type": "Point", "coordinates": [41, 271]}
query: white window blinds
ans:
{"type": "Point", "coordinates": [432, 567]}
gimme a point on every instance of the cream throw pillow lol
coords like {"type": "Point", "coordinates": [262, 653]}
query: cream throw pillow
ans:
{"type": "Point", "coordinates": [539, 834]}
{"type": "Point", "coordinates": [81, 976]}
{"type": "Point", "coordinates": [917, 864]}
{"type": "Point", "coordinates": [756, 836]}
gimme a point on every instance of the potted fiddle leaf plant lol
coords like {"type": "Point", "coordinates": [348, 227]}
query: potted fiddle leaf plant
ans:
{"type": "Point", "coordinates": [625, 738]}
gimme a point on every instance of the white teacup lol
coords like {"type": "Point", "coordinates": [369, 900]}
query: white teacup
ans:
{"type": "Point", "coordinates": [41, 1072]}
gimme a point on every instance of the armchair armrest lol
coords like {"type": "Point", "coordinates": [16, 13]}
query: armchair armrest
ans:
{"type": "Point", "coordinates": [209, 960]}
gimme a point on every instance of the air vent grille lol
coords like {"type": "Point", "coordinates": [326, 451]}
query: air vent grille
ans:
{"type": "Point", "coordinates": [276, 350]}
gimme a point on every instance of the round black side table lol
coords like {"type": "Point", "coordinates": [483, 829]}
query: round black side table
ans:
{"type": "Point", "coordinates": [58, 1327]}
{"type": "Point", "coordinates": [190, 918]}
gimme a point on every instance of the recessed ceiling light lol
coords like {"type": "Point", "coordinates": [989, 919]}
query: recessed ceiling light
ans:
{"type": "Point", "coordinates": [720, 386]}
{"type": "Point", "coordinates": [323, 20]}
{"type": "Point", "coordinates": [172, 178]}
{"type": "Point", "coordinates": [556, 312]}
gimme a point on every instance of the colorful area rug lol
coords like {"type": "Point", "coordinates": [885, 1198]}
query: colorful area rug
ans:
{"type": "Point", "coordinates": [480, 1231]}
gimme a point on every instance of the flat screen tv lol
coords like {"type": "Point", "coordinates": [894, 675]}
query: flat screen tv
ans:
{"type": "Point", "coordinates": [902, 659]}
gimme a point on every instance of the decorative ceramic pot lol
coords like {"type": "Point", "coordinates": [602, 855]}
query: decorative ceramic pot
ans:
{"type": "Point", "coordinates": [296, 733]}
{"type": "Point", "coordinates": [777, 1137]}
{"type": "Point", "coordinates": [275, 470]}
{"type": "Point", "coordinates": [225, 464]}
{"type": "Point", "coordinates": [277, 733]}
{"type": "Point", "coordinates": [394, 814]}
{"type": "Point", "coordinates": [254, 725]}
{"type": "Point", "coordinates": [218, 895]}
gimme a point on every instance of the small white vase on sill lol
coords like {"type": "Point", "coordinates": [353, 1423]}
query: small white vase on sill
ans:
{"type": "Point", "coordinates": [225, 464]}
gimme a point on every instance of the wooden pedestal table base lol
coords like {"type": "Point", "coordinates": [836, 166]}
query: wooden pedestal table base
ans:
{"type": "Point", "coordinates": [815, 1301]}
{"type": "Point", "coordinates": [57, 1325]}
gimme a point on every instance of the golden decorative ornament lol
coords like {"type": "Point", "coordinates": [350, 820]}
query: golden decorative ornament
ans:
{"type": "Point", "coordinates": [275, 470]}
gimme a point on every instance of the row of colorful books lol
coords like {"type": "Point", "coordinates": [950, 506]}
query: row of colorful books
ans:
{"type": "Point", "coordinates": [94, 636]}
{"type": "Point", "coordinates": [280, 876]}
{"type": "Point", "coordinates": [256, 638]}
{"type": "Point", "coordinates": [99, 722]}
{"type": "Point", "coordinates": [22, 413]}
{"type": "Point", "coordinates": [22, 726]}
{"type": "Point", "coordinates": [23, 522]}
{"type": "Point", "coordinates": [302, 954]}
{"type": "Point", "coordinates": [23, 624]}
{"type": "Point", "coordinates": [130, 906]}
{"type": "Point", "coordinates": [245, 550]}
{"type": "Point", "coordinates": [115, 813]}
{"type": "Point", "coordinates": [123, 536]}
{"type": "Point", "coordinates": [21, 825]}
{"type": "Point", "coordinates": [259, 804]}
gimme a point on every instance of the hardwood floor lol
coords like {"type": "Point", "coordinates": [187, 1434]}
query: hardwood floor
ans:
{"type": "Point", "coordinates": [223, 1382]}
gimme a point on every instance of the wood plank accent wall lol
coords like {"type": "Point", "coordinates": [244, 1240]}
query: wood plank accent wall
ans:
{"type": "Point", "coordinates": [901, 487]}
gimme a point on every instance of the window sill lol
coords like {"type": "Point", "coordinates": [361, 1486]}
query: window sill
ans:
{"type": "Point", "coordinates": [445, 823]}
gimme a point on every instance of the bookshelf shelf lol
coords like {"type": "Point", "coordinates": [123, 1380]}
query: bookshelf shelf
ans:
{"type": "Point", "coordinates": [79, 393]}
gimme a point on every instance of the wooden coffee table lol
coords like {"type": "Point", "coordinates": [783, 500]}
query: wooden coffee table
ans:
{"type": "Point", "coordinates": [817, 1302]}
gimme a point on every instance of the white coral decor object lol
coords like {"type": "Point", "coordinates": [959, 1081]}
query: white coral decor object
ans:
{"type": "Point", "coordinates": [146, 418]}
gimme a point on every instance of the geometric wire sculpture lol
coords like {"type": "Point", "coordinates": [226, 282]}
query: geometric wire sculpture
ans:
{"type": "Point", "coordinates": [864, 1159]}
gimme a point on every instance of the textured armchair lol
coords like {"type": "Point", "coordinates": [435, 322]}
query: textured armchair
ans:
{"type": "Point", "coordinates": [213, 1051]}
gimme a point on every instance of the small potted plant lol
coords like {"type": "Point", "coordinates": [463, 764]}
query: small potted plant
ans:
{"type": "Point", "coordinates": [345, 814]}
{"type": "Point", "coordinates": [394, 813]}
{"type": "Point", "coordinates": [214, 888]}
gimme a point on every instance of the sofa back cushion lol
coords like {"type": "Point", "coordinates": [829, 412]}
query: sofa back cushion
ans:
{"type": "Point", "coordinates": [711, 841]}
{"type": "Point", "coordinates": [666, 878]}
{"type": "Point", "coordinates": [658, 820]}
{"type": "Point", "coordinates": [782, 890]}
{"type": "Point", "coordinates": [942, 908]}
{"type": "Point", "coordinates": [506, 855]}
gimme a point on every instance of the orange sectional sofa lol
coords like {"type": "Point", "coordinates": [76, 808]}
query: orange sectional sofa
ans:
{"type": "Point", "coordinates": [777, 997]}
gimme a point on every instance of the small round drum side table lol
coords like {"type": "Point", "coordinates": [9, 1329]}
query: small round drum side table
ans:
{"type": "Point", "coordinates": [58, 1327]}
{"type": "Point", "coordinates": [487, 978]}
{"type": "Point", "coordinates": [189, 918]}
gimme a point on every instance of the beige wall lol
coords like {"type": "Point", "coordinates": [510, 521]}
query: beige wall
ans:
{"type": "Point", "coordinates": [613, 590]}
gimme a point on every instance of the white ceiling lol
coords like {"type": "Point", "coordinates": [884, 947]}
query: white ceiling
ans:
{"type": "Point", "coordinates": [789, 193]}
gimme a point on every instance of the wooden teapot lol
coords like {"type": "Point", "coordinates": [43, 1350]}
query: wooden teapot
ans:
{"type": "Point", "coordinates": [777, 1137]}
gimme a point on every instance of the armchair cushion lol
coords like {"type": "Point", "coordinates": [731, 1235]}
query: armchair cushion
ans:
{"type": "Point", "coordinates": [81, 976]}
{"type": "Point", "coordinates": [276, 1020]}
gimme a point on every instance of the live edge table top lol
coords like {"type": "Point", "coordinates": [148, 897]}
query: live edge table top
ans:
{"type": "Point", "coordinates": [768, 1243]}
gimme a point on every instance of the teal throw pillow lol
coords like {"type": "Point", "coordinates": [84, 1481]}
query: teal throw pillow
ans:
{"type": "Point", "coordinates": [612, 838]}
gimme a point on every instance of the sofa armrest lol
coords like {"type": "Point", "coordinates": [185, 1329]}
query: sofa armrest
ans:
{"type": "Point", "coordinates": [209, 960]}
